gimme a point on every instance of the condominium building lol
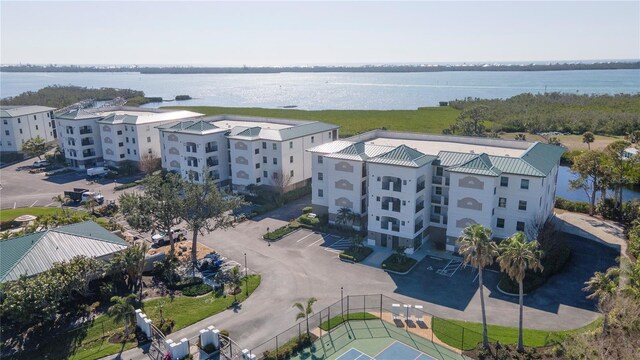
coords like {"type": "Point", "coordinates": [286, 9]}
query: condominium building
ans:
{"type": "Point", "coordinates": [21, 123]}
{"type": "Point", "coordinates": [108, 136]}
{"type": "Point", "coordinates": [239, 151]}
{"type": "Point", "coordinates": [407, 188]}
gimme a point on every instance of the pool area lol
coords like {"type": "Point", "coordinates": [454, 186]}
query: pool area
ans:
{"type": "Point", "coordinates": [374, 339]}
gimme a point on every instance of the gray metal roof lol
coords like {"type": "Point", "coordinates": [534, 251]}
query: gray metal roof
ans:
{"type": "Point", "coordinates": [34, 253]}
{"type": "Point", "coordinates": [479, 165]}
{"type": "Point", "coordinates": [403, 156]}
{"type": "Point", "coordinates": [10, 111]}
{"type": "Point", "coordinates": [330, 147]}
{"type": "Point", "coordinates": [306, 129]}
{"type": "Point", "coordinates": [189, 126]}
{"type": "Point", "coordinates": [452, 158]}
{"type": "Point", "coordinates": [360, 151]}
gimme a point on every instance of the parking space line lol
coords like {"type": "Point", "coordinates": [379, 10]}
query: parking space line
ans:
{"type": "Point", "coordinates": [49, 204]}
{"type": "Point", "coordinates": [306, 237]}
{"type": "Point", "coordinates": [14, 205]}
{"type": "Point", "coordinates": [35, 202]}
{"type": "Point", "coordinates": [321, 239]}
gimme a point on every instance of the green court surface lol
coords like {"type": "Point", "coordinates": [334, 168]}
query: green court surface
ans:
{"type": "Point", "coordinates": [373, 339]}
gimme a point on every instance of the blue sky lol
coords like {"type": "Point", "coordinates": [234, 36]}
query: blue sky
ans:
{"type": "Point", "coordinates": [309, 33]}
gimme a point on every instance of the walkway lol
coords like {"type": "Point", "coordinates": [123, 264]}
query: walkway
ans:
{"type": "Point", "coordinates": [604, 231]}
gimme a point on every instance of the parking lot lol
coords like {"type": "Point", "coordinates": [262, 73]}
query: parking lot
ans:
{"type": "Point", "coordinates": [313, 240]}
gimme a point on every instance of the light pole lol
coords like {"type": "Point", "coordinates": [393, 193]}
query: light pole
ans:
{"type": "Point", "coordinates": [246, 278]}
{"type": "Point", "coordinates": [342, 301]}
{"type": "Point", "coordinates": [268, 241]}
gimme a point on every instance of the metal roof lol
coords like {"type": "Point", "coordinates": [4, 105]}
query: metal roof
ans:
{"type": "Point", "coordinates": [543, 157]}
{"type": "Point", "coordinates": [250, 132]}
{"type": "Point", "coordinates": [452, 158]}
{"type": "Point", "coordinates": [403, 156]}
{"type": "Point", "coordinates": [34, 253]}
{"type": "Point", "coordinates": [479, 165]}
{"type": "Point", "coordinates": [330, 147]}
{"type": "Point", "coordinates": [360, 151]}
{"type": "Point", "coordinates": [189, 126]}
{"type": "Point", "coordinates": [9, 111]}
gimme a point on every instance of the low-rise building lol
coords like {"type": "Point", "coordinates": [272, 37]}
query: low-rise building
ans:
{"type": "Point", "coordinates": [21, 123]}
{"type": "Point", "coordinates": [108, 136]}
{"type": "Point", "coordinates": [244, 150]}
{"type": "Point", "coordinates": [406, 188]}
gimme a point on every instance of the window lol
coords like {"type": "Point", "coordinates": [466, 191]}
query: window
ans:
{"type": "Point", "coordinates": [320, 159]}
{"type": "Point", "coordinates": [320, 176]}
{"type": "Point", "coordinates": [502, 202]}
{"type": "Point", "coordinates": [18, 120]}
{"type": "Point", "coordinates": [520, 226]}
{"type": "Point", "coordinates": [404, 203]}
{"type": "Point", "coordinates": [439, 171]}
{"type": "Point", "coordinates": [504, 181]}
{"type": "Point", "coordinates": [127, 140]}
{"type": "Point", "coordinates": [377, 218]}
{"type": "Point", "coordinates": [150, 151]}
{"type": "Point", "coordinates": [5, 122]}
{"type": "Point", "coordinates": [121, 156]}
{"type": "Point", "coordinates": [329, 134]}
{"type": "Point", "coordinates": [402, 222]}
{"type": "Point", "coordinates": [437, 209]}
{"type": "Point", "coordinates": [378, 198]}
{"type": "Point", "coordinates": [258, 180]}
{"type": "Point", "coordinates": [265, 174]}
{"type": "Point", "coordinates": [404, 182]}
{"type": "Point", "coordinates": [264, 159]}
{"type": "Point", "coordinates": [119, 132]}
{"type": "Point", "coordinates": [264, 145]}
{"type": "Point", "coordinates": [148, 138]}
{"type": "Point", "coordinates": [135, 152]}
{"type": "Point", "coordinates": [120, 144]}
{"type": "Point", "coordinates": [258, 166]}
{"type": "Point", "coordinates": [438, 190]}
{"type": "Point", "coordinates": [320, 193]}
{"type": "Point", "coordinates": [6, 132]}
{"type": "Point", "coordinates": [291, 159]}
{"type": "Point", "coordinates": [275, 146]}
{"type": "Point", "coordinates": [126, 128]}
{"type": "Point", "coordinates": [133, 140]}
{"type": "Point", "coordinates": [34, 117]}
{"type": "Point", "coordinates": [312, 138]}
{"type": "Point", "coordinates": [524, 184]}
{"type": "Point", "coordinates": [256, 151]}
{"type": "Point", "coordinates": [291, 173]}
{"type": "Point", "coordinates": [500, 223]}
{"type": "Point", "coordinates": [36, 127]}
{"type": "Point", "coordinates": [20, 131]}
{"type": "Point", "coordinates": [275, 161]}
{"type": "Point", "coordinates": [290, 144]}
{"type": "Point", "coordinates": [522, 205]}
{"type": "Point", "coordinates": [129, 151]}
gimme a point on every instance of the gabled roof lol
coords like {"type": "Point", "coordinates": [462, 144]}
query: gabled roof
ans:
{"type": "Point", "coordinates": [330, 147]}
{"type": "Point", "coordinates": [35, 253]}
{"type": "Point", "coordinates": [403, 156]}
{"type": "Point", "coordinates": [9, 111]}
{"type": "Point", "coordinates": [190, 126]}
{"type": "Point", "coordinates": [78, 114]}
{"type": "Point", "coordinates": [479, 165]}
{"type": "Point", "coordinates": [543, 157]}
{"type": "Point", "coordinates": [306, 129]}
{"type": "Point", "coordinates": [451, 158]}
{"type": "Point", "coordinates": [360, 151]}
{"type": "Point", "coordinates": [250, 132]}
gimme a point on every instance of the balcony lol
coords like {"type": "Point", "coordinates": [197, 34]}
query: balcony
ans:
{"type": "Point", "coordinates": [390, 204]}
{"type": "Point", "coordinates": [420, 186]}
{"type": "Point", "coordinates": [84, 131]}
{"type": "Point", "coordinates": [393, 227]}
{"type": "Point", "coordinates": [436, 199]}
{"type": "Point", "coordinates": [435, 219]}
{"type": "Point", "coordinates": [212, 162]}
{"type": "Point", "coordinates": [419, 206]}
{"type": "Point", "coordinates": [392, 185]}
{"type": "Point", "coordinates": [436, 180]}
{"type": "Point", "coordinates": [446, 181]}
{"type": "Point", "coordinates": [86, 154]}
{"type": "Point", "coordinates": [418, 227]}
{"type": "Point", "coordinates": [446, 201]}
{"type": "Point", "coordinates": [210, 149]}
{"type": "Point", "coordinates": [87, 142]}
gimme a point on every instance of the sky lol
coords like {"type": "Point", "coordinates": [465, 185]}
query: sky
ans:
{"type": "Point", "coordinates": [315, 33]}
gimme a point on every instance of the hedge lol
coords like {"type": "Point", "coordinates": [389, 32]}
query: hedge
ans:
{"type": "Point", "coordinates": [186, 282]}
{"type": "Point", "coordinates": [356, 253]}
{"type": "Point", "coordinates": [289, 348]}
{"type": "Point", "coordinates": [197, 290]}
{"type": "Point", "coordinates": [391, 263]}
{"type": "Point", "coordinates": [278, 233]}
{"type": "Point", "coordinates": [574, 206]}
{"type": "Point", "coordinates": [127, 185]}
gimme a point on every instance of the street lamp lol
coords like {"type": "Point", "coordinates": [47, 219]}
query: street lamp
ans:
{"type": "Point", "coordinates": [342, 301]}
{"type": "Point", "coordinates": [268, 241]}
{"type": "Point", "coordinates": [246, 278]}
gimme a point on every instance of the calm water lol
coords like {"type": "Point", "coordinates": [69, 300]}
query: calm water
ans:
{"type": "Point", "coordinates": [563, 191]}
{"type": "Point", "coordinates": [319, 91]}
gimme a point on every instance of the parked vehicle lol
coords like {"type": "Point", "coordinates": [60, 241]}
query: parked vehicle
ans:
{"type": "Point", "coordinates": [97, 171]}
{"type": "Point", "coordinates": [40, 163]}
{"type": "Point", "coordinates": [160, 239]}
{"type": "Point", "coordinates": [79, 195]}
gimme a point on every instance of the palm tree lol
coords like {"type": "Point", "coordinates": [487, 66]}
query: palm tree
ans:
{"type": "Point", "coordinates": [305, 311]}
{"type": "Point", "coordinates": [62, 199]}
{"type": "Point", "coordinates": [478, 249]}
{"type": "Point", "coordinates": [603, 287]}
{"type": "Point", "coordinates": [345, 216]}
{"type": "Point", "coordinates": [588, 138]}
{"type": "Point", "coordinates": [90, 204]}
{"type": "Point", "coordinates": [517, 255]}
{"type": "Point", "coordinates": [122, 310]}
{"type": "Point", "coordinates": [131, 263]}
{"type": "Point", "coordinates": [235, 281]}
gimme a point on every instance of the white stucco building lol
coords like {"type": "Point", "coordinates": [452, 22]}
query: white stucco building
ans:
{"type": "Point", "coordinates": [408, 188]}
{"type": "Point", "coordinates": [21, 123]}
{"type": "Point", "coordinates": [244, 150]}
{"type": "Point", "coordinates": [108, 136]}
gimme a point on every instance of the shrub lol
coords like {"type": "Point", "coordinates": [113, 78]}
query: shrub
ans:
{"type": "Point", "coordinates": [307, 209]}
{"type": "Point", "coordinates": [574, 206]}
{"type": "Point", "coordinates": [186, 282]}
{"type": "Point", "coordinates": [394, 263]}
{"type": "Point", "coordinates": [167, 326]}
{"type": "Point", "coordinates": [356, 253]}
{"type": "Point", "coordinates": [278, 233]}
{"type": "Point", "coordinates": [127, 185]}
{"type": "Point", "coordinates": [296, 194]}
{"type": "Point", "coordinates": [307, 220]}
{"type": "Point", "coordinates": [224, 333]}
{"type": "Point", "coordinates": [196, 290]}
{"type": "Point", "coordinates": [6, 225]}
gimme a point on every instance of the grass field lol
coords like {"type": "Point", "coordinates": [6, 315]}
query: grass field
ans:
{"type": "Point", "coordinates": [10, 214]}
{"type": "Point", "coordinates": [451, 332]}
{"type": "Point", "coordinates": [424, 120]}
{"type": "Point", "coordinates": [92, 342]}
{"type": "Point", "coordinates": [572, 142]}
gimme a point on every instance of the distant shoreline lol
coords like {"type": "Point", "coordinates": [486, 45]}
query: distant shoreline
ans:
{"type": "Point", "coordinates": [326, 69]}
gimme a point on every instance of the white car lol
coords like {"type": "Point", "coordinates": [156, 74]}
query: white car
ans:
{"type": "Point", "coordinates": [40, 163]}
{"type": "Point", "coordinates": [160, 238]}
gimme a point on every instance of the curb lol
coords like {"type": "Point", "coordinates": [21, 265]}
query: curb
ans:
{"type": "Point", "coordinates": [508, 293]}
{"type": "Point", "coordinates": [287, 234]}
{"type": "Point", "coordinates": [401, 273]}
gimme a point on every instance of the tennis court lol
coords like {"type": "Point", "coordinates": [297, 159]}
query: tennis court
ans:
{"type": "Point", "coordinates": [395, 351]}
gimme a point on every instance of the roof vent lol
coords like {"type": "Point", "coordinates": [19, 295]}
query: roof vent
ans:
{"type": "Point", "coordinates": [473, 152]}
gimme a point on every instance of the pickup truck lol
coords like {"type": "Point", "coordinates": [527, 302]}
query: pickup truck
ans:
{"type": "Point", "coordinates": [79, 195]}
{"type": "Point", "coordinates": [160, 239]}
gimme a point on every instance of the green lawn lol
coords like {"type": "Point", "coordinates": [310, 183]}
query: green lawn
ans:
{"type": "Point", "coordinates": [466, 335]}
{"type": "Point", "coordinates": [337, 320]}
{"type": "Point", "coordinates": [92, 342]}
{"type": "Point", "coordinates": [10, 214]}
{"type": "Point", "coordinates": [425, 120]}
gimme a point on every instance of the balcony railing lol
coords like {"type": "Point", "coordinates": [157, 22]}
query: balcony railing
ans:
{"type": "Point", "coordinates": [86, 142]}
{"type": "Point", "coordinates": [395, 186]}
{"type": "Point", "coordinates": [420, 187]}
{"type": "Point", "coordinates": [191, 149]}
{"type": "Point", "coordinates": [212, 163]}
{"type": "Point", "coordinates": [88, 153]}
{"type": "Point", "coordinates": [435, 219]}
{"type": "Point", "coordinates": [394, 227]}
{"type": "Point", "coordinates": [210, 149]}
{"type": "Point", "coordinates": [419, 206]}
{"type": "Point", "coordinates": [436, 199]}
{"type": "Point", "coordinates": [418, 227]}
{"type": "Point", "coordinates": [394, 207]}
{"type": "Point", "coordinates": [436, 180]}
{"type": "Point", "coordinates": [85, 131]}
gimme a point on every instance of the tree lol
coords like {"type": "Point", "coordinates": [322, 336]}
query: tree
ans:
{"type": "Point", "coordinates": [588, 138]}
{"type": "Point", "coordinates": [235, 278]}
{"type": "Point", "coordinates": [34, 147]}
{"type": "Point", "coordinates": [620, 169]}
{"type": "Point", "coordinates": [122, 310]}
{"type": "Point", "coordinates": [305, 311]}
{"type": "Point", "coordinates": [517, 255]}
{"type": "Point", "coordinates": [204, 208]}
{"type": "Point", "coordinates": [470, 122]}
{"type": "Point", "coordinates": [157, 208]}
{"type": "Point", "coordinates": [345, 216]}
{"type": "Point", "coordinates": [358, 241]}
{"type": "Point", "coordinates": [479, 250]}
{"type": "Point", "coordinates": [401, 255]}
{"type": "Point", "coordinates": [150, 162]}
{"type": "Point", "coordinates": [130, 263]}
{"type": "Point", "coordinates": [634, 137]}
{"type": "Point", "coordinates": [90, 204]}
{"type": "Point", "coordinates": [521, 137]}
{"type": "Point", "coordinates": [603, 287]}
{"type": "Point", "coordinates": [61, 199]}
{"type": "Point", "coordinates": [553, 140]}
{"type": "Point", "coordinates": [591, 169]}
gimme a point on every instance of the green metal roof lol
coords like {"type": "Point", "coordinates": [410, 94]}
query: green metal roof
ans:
{"type": "Point", "coordinates": [250, 132]}
{"type": "Point", "coordinates": [479, 165]}
{"type": "Point", "coordinates": [543, 156]}
{"type": "Point", "coordinates": [306, 129]}
{"type": "Point", "coordinates": [34, 253]}
{"type": "Point", "coordinates": [451, 158]}
{"type": "Point", "coordinates": [404, 156]}
{"type": "Point", "coordinates": [515, 166]}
